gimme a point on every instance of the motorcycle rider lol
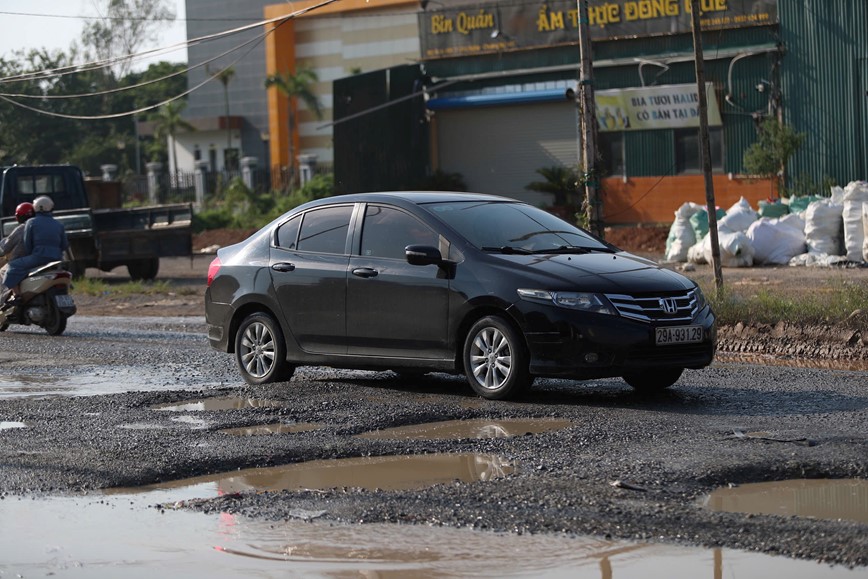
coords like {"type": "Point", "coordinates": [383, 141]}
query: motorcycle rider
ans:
{"type": "Point", "coordinates": [12, 246]}
{"type": "Point", "coordinates": [44, 241]}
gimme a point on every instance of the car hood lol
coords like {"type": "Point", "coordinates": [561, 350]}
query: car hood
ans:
{"type": "Point", "coordinates": [595, 272]}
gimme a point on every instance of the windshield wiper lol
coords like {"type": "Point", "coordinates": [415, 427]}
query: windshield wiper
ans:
{"type": "Point", "coordinates": [508, 250]}
{"type": "Point", "coordinates": [573, 249]}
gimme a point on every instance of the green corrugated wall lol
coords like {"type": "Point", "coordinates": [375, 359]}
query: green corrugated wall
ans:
{"type": "Point", "coordinates": [825, 86]}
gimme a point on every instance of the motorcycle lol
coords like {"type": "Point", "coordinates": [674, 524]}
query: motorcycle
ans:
{"type": "Point", "coordinates": [43, 300]}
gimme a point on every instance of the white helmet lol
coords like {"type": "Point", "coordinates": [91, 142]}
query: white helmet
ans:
{"type": "Point", "coordinates": [43, 204]}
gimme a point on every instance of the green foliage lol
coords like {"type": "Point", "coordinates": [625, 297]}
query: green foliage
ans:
{"type": "Point", "coordinates": [766, 307]}
{"type": "Point", "coordinates": [768, 157]}
{"type": "Point", "coordinates": [240, 208]}
{"type": "Point", "coordinates": [101, 287]}
{"type": "Point", "coordinates": [805, 185]}
{"type": "Point", "coordinates": [440, 180]}
{"type": "Point", "coordinates": [560, 181]}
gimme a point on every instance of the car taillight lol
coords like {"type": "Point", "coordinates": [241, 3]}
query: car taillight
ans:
{"type": "Point", "coordinates": [213, 269]}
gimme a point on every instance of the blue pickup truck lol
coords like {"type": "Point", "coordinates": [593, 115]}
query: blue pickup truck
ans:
{"type": "Point", "coordinates": [100, 238]}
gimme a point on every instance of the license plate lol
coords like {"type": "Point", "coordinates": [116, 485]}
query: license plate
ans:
{"type": "Point", "coordinates": [64, 301]}
{"type": "Point", "coordinates": [678, 335]}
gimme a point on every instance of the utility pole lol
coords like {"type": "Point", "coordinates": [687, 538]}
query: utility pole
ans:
{"type": "Point", "coordinates": [588, 124]}
{"type": "Point", "coordinates": [704, 145]}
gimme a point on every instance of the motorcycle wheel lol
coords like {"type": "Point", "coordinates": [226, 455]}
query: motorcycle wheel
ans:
{"type": "Point", "coordinates": [56, 322]}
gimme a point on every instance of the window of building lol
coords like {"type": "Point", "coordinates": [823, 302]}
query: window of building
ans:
{"type": "Point", "coordinates": [325, 230]}
{"type": "Point", "coordinates": [688, 158]}
{"type": "Point", "coordinates": [611, 150]}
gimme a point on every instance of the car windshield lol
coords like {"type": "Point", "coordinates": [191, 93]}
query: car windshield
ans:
{"type": "Point", "coordinates": [514, 228]}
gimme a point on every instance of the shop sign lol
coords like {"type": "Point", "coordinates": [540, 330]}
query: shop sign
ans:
{"type": "Point", "coordinates": [492, 27]}
{"type": "Point", "coordinates": [674, 106]}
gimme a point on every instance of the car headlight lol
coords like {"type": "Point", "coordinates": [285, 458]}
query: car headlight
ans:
{"type": "Point", "coordinates": [588, 302]}
{"type": "Point", "coordinates": [701, 302]}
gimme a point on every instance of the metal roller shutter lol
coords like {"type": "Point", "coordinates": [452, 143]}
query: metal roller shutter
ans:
{"type": "Point", "coordinates": [498, 150]}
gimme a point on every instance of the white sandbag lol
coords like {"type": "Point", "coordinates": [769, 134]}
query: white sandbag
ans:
{"type": "Point", "coordinates": [738, 217]}
{"type": "Point", "coordinates": [818, 260]}
{"type": "Point", "coordinates": [681, 234]}
{"type": "Point", "coordinates": [824, 227]}
{"type": "Point", "coordinates": [736, 249]}
{"type": "Point", "coordinates": [855, 197]}
{"type": "Point", "coordinates": [696, 254]}
{"type": "Point", "coordinates": [777, 241]}
{"type": "Point", "coordinates": [865, 230]}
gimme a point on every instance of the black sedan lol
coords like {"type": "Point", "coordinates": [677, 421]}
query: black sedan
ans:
{"type": "Point", "coordinates": [419, 282]}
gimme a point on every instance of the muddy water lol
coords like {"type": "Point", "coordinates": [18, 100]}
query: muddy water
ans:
{"type": "Point", "coordinates": [818, 498]}
{"type": "Point", "coordinates": [266, 429]}
{"type": "Point", "coordinates": [457, 429]}
{"type": "Point", "coordinates": [101, 537]}
{"type": "Point", "coordinates": [216, 403]}
{"type": "Point", "coordinates": [380, 472]}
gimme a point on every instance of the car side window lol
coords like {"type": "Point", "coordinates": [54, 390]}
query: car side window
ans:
{"type": "Point", "coordinates": [287, 234]}
{"type": "Point", "coordinates": [325, 230]}
{"type": "Point", "coordinates": [387, 232]}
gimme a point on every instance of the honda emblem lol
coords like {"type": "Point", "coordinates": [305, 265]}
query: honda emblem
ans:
{"type": "Point", "coordinates": [668, 305]}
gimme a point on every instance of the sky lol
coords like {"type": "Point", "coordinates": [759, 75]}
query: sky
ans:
{"type": "Point", "coordinates": [55, 24]}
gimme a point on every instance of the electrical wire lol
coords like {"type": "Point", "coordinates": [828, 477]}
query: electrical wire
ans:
{"type": "Point", "coordinates": [277, 20]}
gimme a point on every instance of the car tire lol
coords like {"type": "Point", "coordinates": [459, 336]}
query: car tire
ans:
{"type": "Point", "coordinates": [495, 359]}
{"type": "Point", "coordinates": [260, 350]}
{"type": "Point", "coordinates": [653, 380]}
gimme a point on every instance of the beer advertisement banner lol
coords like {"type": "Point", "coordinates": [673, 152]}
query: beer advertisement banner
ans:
{"type": "Point", "coordinates": [674, 106]}
{"type": "Point", "coordinates": [494, 27]}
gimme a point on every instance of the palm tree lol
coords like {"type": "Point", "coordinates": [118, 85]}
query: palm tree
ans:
{"type": "Point", "coordinates": [561, 181]}
{"type": "Point", "coordinates": [296, 86]}
{"type": "Point", "coordinates": [224, 76]}
{"type": "Point", "coordinates": [167, 123]}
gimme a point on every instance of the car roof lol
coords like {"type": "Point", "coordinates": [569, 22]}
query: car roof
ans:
{"type": "Point", "coordinates": [417, 197]}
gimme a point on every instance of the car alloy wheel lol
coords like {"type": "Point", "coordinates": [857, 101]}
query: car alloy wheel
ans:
{"type": "Point", "coordinates": [495, 360]}
{"type": "Point", "coordinates": [260, 350]}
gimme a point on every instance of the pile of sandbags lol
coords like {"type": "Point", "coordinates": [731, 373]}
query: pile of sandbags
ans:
{"type": "Point", "coordinates": [801, 231]}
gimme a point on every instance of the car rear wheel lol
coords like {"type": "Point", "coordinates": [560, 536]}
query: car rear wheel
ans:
{"type": "Point", "coordinates": [653, 380]}
{"type": "Point", "coordinates": [260, 350]}
{"type": "Point", "coordinates": [495, 360]}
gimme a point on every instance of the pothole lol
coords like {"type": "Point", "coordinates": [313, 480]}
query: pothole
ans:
{"type": "Point", "coordinates": [818, 498]}
{"type": "Point", "coordinates": [478, 428]}
{"type": "Point", "coordinates": [380, 472]}
{"type": "Point", "coordinates": [216, 403]}
{"type": "Point", "coordinates": [267, 429]}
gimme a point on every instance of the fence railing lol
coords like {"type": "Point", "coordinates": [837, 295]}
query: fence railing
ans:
{"type": "Point", "coordinates": [181, 187]}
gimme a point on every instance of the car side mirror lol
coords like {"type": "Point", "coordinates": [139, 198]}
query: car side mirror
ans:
{"type": "Point", "coordinates": [423, 255]}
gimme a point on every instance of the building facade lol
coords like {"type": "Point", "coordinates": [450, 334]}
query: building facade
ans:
{"type": "Point", "coordinates": [480, 89]}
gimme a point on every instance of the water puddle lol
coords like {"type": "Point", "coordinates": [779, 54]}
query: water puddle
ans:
{"type": "Point", "coordinates": [480, 428]}
{"type": "Point", "coordinates": [11, 425]}
{"type": "Point", "coordinates": [90, 381]}
{"type": "Point", "coordinates": [380, 472]}
{"type": "Point", "coordinates": [818, 498]}
{"type": "Point", "coordinates": [267, 429]}
{"type": "Point", "coordinates": [216, 403]}
{"type": "Point", "coordinates": [106, 537]}
{"type": "Point", "coordinates": [813, 363]}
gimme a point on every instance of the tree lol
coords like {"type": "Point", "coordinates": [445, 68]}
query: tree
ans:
{"type": "Point", "coordinates": [224, 76]}
{"type": "Point", "coordinates": [126, 26]}
{"type": "Point", "coordinates": [296, 86]}
{"type": "Point", "coordinates": [768, 157]}
{"type": "Point", "coordinates": [560, 181]}
{"type": "Point", "coordinates": [167, 123]}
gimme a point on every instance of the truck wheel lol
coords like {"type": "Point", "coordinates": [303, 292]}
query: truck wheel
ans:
{"type": "Point", "coordinates": [144, 269]}
{"type": "Point", "coordinates": [76, 269]}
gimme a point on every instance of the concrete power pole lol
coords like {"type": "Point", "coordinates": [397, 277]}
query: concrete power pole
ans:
{"type": "Point", "coordinates": [704, 145]}
{"type": "Point", "coordinates": [588, 125]}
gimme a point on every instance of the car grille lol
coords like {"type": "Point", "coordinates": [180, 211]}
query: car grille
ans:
{"type": "Point", "coordinates": [676, 308]}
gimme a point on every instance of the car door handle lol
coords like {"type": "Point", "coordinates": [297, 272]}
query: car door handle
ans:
{"type": "Point", "coordinates": [365, 272]}
{"type": "Point", "coordinates": [283, 266]}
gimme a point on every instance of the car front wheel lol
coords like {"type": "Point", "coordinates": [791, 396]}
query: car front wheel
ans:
{"type": "Point", "coordinates": [653, 380]}
{"type": "Point", "coordinates": [260, 350]}
{"type": "Point", "coordinates": [495, 360]}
